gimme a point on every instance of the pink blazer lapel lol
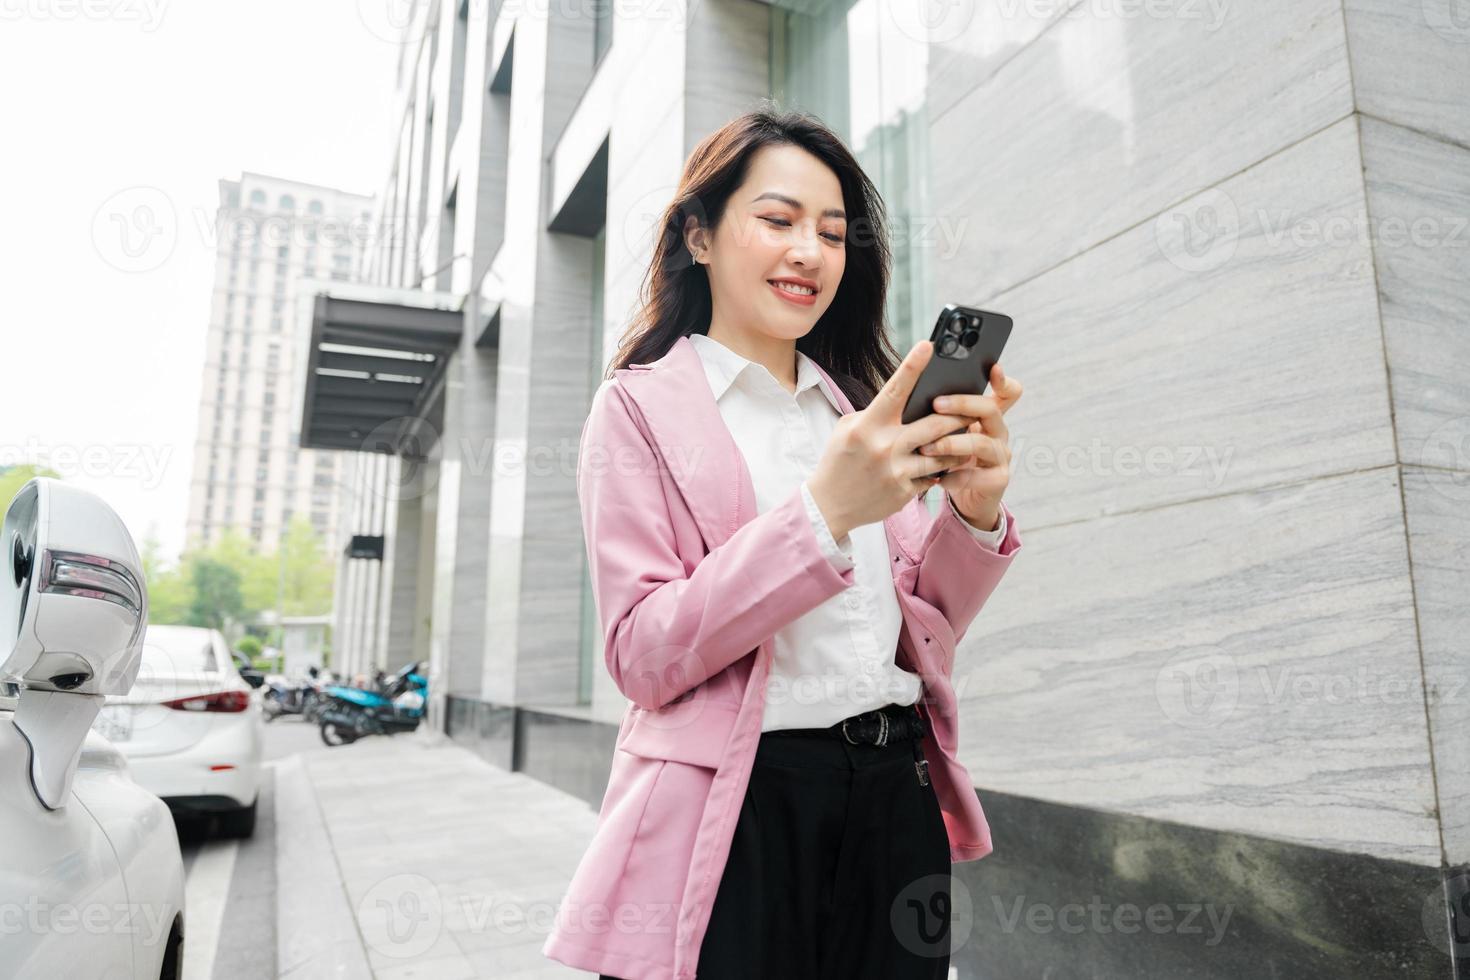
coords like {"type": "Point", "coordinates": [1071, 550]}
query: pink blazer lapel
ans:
{"type": "Point", "coordinates": [679, 410]}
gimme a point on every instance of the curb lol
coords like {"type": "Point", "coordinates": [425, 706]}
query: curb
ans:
{"type": "Point", "coordinates": [316, 930]}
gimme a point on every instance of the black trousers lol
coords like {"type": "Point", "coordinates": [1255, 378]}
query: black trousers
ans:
{"type": "Point", "coordinates": [839, 868]}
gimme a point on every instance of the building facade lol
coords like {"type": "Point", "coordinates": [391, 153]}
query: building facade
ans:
{"type": "Point", "coordinates": [250, 472]}
{"type": "Point", "coordinates": [1217, 710]}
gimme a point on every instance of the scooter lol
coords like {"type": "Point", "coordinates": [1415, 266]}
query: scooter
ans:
{"type": "Point", "coordinates": [351, 713]}
{"type": "Point", "coordinates": [281, 698]}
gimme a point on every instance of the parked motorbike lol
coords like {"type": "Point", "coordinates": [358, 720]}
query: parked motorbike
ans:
{"type": "Point", "coordinates": [351, 713]}
{"type": "Point", "coordinates": [313, 701]}
{"type": "Point", "coordinates": [281, 698]}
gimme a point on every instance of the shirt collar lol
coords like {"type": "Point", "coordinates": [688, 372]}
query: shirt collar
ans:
{"type": "Point", "coordinates": [723, 365]}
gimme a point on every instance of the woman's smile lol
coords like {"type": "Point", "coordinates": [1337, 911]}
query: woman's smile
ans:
{"type": "Point", "coordinates": [793, 293]}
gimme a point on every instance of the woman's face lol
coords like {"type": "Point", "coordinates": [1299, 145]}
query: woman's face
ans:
{"type": "Point", "coordinates": [785, 223]}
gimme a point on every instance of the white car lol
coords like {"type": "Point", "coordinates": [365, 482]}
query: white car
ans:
{"type": "Point", "coordinates": [92, 881]}
{"type": "Point", "coordinates": [191, 727]}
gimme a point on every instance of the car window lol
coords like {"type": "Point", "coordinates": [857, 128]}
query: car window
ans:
{"type": "Point", "coordinates": [178, 653]}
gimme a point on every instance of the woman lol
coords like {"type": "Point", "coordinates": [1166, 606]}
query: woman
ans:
{"type": "Point", "coordinates": [775, 597]}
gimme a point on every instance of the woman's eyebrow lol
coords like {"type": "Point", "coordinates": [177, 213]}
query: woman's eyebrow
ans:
{"type": "Point", "coordinates": [829, 213]}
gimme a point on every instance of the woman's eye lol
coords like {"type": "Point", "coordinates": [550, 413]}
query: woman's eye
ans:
{"type": "Point", "coordinates": [830, 236]}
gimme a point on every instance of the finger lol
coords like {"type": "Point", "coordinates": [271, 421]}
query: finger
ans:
{"type": "Point", "coordinates": [889, 403]}
{"type": "Point", "coordinates": [993, 425]}
{"type": "Point", "coordinates": [920, 467]}
{"type": "Point", "coordinates": [990, 451]}
{"type": "Point", "coordinates": [920, 431]}
{"type": "Point", "coordinates": [984, 409]}
{"type": "Point", "coordinates": [1007, 390]}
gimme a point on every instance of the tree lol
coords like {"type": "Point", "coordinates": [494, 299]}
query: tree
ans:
{"type": "Point", "coordinates": [309, 571]}
{"type": "Point", "coordinates": [216, 600]}
{"type": "Point", "coordinates": [170, 590]}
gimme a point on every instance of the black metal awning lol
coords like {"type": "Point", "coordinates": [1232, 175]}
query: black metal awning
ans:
{"type": "Point", "coordinates": [375, 363]}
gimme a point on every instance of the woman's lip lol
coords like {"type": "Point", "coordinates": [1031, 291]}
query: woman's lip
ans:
{"type": "Point", "coordinates": [792, 297]}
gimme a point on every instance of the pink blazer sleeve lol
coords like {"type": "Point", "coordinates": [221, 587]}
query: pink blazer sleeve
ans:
{"type": "Point", "coordinates": [665, 630]}
{"type": "Point", "coordinates": [957, 573]}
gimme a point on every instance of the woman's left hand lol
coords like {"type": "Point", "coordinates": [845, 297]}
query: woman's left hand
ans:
{"type": "Point", "coordinates": [980, 481]}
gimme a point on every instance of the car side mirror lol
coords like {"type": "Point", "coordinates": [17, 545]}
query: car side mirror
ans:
{"type": "Point", "coordinates": [252, 676]}
{"type": "Point", "coordinates": [73, 606]}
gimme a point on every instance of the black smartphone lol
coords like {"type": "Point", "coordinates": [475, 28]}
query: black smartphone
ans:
{"type": "Point", "coordinates": [967, 343]}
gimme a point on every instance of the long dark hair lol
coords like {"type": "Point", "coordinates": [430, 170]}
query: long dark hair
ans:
{"type": "Point", "coordinates": [849, 340]}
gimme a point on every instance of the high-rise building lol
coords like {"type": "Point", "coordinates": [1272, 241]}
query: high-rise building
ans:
{"type": "Point", "coordinates": [249, 470]}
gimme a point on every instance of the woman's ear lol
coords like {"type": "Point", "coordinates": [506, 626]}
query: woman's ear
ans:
{"type": "Point", "coordinates": [694, 236]}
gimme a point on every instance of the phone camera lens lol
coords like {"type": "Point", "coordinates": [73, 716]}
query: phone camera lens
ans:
{"type": "Point", "coordinates": [971, 336]}
{"type": "Point", "coordinates": [948, 345]}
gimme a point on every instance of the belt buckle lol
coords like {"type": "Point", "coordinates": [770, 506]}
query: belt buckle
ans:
{"type": "Point", "coordinates": [882, 731]}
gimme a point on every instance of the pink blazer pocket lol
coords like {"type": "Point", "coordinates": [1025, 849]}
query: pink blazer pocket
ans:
{"type": "Point", "coordinates": [693, 731]}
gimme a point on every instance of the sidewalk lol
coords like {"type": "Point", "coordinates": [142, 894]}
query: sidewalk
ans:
{"type": "Point", "coordinates": [412, 857]}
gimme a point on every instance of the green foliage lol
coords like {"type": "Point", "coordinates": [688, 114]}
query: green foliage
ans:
{"type": "Point", "coordinates": [169, 594]}
{"type": "Point", "coordinates": [234, 580]}
{"type": "Point", "coordinates": [250, 646]}
{"type": "Point", "coordinates": [216, 599]}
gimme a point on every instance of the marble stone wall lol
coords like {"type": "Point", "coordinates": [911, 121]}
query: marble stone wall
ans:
{"type": "Point", "coordinates": [1411, 74]}
{"type": "Point", "coordinates": [544, 287]}
{"type": "Point", "coordinates": [1240, 462]}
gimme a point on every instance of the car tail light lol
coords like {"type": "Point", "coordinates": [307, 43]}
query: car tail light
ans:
{"type": "Point", "coordinates": [222, 701]}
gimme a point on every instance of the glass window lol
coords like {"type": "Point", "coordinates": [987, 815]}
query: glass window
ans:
{"type": "Point", "coordinates": [867, 81]}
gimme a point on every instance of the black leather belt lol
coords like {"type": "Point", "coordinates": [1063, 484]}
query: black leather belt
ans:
{"type": "Point", "coordinates": [881, 726]}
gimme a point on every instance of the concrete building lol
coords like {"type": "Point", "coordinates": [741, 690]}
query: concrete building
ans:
{"type": "Point", "coordinates": [1217, 711]}
{"type": "Point", "coordinates": [250, 472]}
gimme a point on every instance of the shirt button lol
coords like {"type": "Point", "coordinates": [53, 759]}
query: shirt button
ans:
{"type": "Point", "coordinates": [852, 601]}
{"type": "Point", "coordinates": [870, 667]}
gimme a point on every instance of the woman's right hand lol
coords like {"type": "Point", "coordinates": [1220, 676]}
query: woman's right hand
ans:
{"type": "Point", "coordinates": [869, 469]}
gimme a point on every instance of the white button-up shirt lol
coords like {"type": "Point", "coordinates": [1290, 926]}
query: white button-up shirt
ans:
{"type": "Point", "coordinates": [838, 660]}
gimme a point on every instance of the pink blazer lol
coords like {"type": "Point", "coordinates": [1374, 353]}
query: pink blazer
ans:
{"type": "Point", "coordinates": [691, 586]}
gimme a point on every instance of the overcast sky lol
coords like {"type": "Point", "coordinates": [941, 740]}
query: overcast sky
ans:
{"type": "Point", "coordinates": [159, 99]}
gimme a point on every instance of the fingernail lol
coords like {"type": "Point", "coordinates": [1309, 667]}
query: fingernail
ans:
{"type": "Point", "coordinates": [942, 403]}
